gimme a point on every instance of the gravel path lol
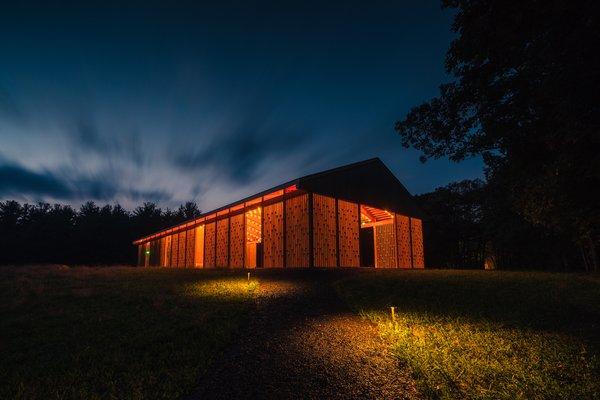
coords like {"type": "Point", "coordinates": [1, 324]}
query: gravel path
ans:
{"type": "Point", "coordinates": [304, 343]}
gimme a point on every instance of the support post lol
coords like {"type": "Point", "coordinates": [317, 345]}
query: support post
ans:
{"type": "Point", "coordinates": [337, 233]}
{"type": "Point", "coordinates": [228, 242]}
{"type": "Point", "coordinates": [412, 262]}
{"type": "Point", "coordinates": [359, 228]}
{"type": "Point", "coordinates": [215, 245]}
{"type": "Point", "coordinates": [244, 240]}
{"type": "Point", "coordinates": [284, 233]}
{"type": "Point", "coordinates": [311, 253]}
{"type": "Point", "coordinates": [262, 235]}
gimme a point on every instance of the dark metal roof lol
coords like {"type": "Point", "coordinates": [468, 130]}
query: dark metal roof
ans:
{"type": "Point", "coordinates": [367, 182]}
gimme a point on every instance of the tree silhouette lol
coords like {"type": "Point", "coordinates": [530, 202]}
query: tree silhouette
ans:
{"type": "Point", "coordinates": [525, 97]}
{"type": "Point", "coordinates": [98, 235]}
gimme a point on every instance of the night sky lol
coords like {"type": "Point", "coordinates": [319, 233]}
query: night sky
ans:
{"type": "Point", "coordinates": [211, 103]}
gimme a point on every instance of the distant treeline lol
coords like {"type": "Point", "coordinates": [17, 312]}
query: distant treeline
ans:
{"type": "Point", "coordinates": [467, 225]}
{"type": "Point", "coordinates": [92, 234]}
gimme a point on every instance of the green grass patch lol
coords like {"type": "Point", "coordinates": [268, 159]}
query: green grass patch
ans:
{"type": "Point", "coordinates": [114, 333]}
{"type": "Point", "coordinates": [488, 335]}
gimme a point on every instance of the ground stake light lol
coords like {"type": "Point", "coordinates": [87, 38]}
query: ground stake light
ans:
{"type": "Point", "coordinates": [393, 312]}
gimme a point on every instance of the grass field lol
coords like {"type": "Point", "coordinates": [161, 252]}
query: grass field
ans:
{"type": "Point", "coordinates": [488, 335]}
{"type": "Point", "coordinates": [117, 333]}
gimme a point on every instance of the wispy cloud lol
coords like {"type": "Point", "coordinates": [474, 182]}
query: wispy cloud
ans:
{"type": "Point", "coordinates": [237, 153]}
{"type": "Point", "coordinates": [17, 180]}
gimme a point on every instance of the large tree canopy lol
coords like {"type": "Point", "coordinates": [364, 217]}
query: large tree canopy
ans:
{"type": "Point", "coordinates": [525, 95]}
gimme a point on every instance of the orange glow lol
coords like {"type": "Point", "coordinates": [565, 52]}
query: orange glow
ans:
{"type": "Point", "coordinates": [253, 236]}
{"type": "Point", "coordinates": [253, 201]}
{"type": "Point", "coordinates": [221, 213]}
{"type": "Point", "coordinates": [273, 195]}
{"type": "Point", "coordinates": [236, 208]}
{"type": "Point", "coordinates": [290, 189]}
{"type": "Point", "coordinates": [253, 225]}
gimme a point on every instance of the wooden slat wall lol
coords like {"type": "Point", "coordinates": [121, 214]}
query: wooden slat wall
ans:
{"type": "Point", "coordinates": [190, 246]}
{"type": "Point", "coordinates": [155, 253]}
{"type": "Point", "coordinates": [324, 231]}
{"type": "Point", "coordinates": [385, 246]}
{"type": "Point", "coordinates": [199, 247]}
{"type": "Point", "coordinates": [296, 227]}
{"type": "Point", "coordinates": [348, 234]}
{"type": "Point", "coordinates": [273, 235]}
{"type": "Point", "coordinates": [209, 245]}
{"type": "Point", "coordinates": [146, 258]}
{"type": "Point", "coordinates": [174, 249]}
{"type": "Point", "coordinates": [222, 242]}
{"type": "Point", "coordinates": [151, 255]}
{"type": "Point", "coordinates": [236, 236]}
{"type": "Point", "coordinates": [168, 250]}
{"type": "Point", "coordinates": [416, 228]}
{"type": "Point", "coordinates": [163, 251]}
{"type": "Point", "coordinates": [158, 256]}
{"type": "Point", "coordinates": [181, 249]}
{"type": "Point", "coordinates": [403, 241]}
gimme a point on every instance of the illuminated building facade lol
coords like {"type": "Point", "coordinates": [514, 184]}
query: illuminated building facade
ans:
{"type": "Point", "coordinates": [358, 215]}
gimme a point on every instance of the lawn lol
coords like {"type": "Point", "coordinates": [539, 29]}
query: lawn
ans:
{"type": "Point", "coordinates": [114, 332]}
{"type": "Point", "coordinates": [487, 335]}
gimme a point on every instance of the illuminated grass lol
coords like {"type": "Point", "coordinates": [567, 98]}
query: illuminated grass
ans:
{"type": "Point", "coordinates": [114, 332]}
{"type": "Point", "coordinates": [488, 335]}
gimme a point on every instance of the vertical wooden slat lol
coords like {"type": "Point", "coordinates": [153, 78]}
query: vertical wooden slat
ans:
{"type": "Point", "coordinates": [209, 245]}
{"type": "Point", "coordinates": [297, 231]}
{"type": "Point", "coordinates": [190, 248]}
{"type": "Point", "coordinates": [403, 241]}
{"type": "Point", "coordinates": [359, 228]}
{"type": "Point", "coordinates": [311, 229]}
{"type": "Point", "coordinates": [222, 243]}
{"type": "Point", "coordinates": [244, 241]}
{"type": "Point", "coordinates": [261, 262]}
{"type": "Point", "coordinates": [348, 234]}
{"type": "Point", "coordinates": [229, 242]}
{"type": "Point", "coordinates": [337, 233]}
{"type": "Point", "coordinates": [410, 241]}
{"type": "Point", "coordinates": [174, 250]}
{"type": "Point", "coordinates": [273, 235]}
{"type": "Point", "coordinates": [185, 246]}
{"type": "Point", "coordinates": [324, 231]}
{"type": "Point", "coordinates": [416, 234]}
{"type": "Point", "coordinates": [397, 241]}
{"type": "Point", "coordinates": [284, 232]}
{"type": "Point", "coordinates": [237, 241]}
{"type": "Point", "coordinates": [385, 246]}
{"type": "Point", "coordinates": [199, 247]}
{"type": "Point", "coordinates": [146, 258]}
{"type": "Point", "coordinates": [181, 249]}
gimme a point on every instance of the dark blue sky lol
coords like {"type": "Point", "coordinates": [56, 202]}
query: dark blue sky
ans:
{"type": "Point", "coordinates": [211, 102]}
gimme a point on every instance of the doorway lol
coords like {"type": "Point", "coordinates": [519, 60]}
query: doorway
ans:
{"type": "Point", "coordinates": [377, 238]}
{"type": "Point", "coordinates": [253, 241]}
{"type": "Point", "coordinates": [367, 247]}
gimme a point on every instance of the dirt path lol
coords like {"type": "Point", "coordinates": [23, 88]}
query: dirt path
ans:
{"type": "Point", "coordinates": [304, 343]}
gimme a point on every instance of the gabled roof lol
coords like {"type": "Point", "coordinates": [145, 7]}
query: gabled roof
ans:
{"type": "Point", "coordinates": [367, 182]}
